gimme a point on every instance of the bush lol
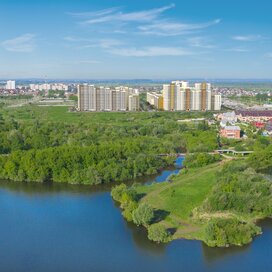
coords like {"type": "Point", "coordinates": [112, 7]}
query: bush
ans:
{"type": "Point", "coordinates": [127, 213]}
{"type": "Point", "coordinates": [200, 159]}
{"type": "Point", "coordinates": [224, 232]}
{"type": "Point", "coordinates": [117, 191]}
{"type": "Point", "coordinates": [241, 190]}
{"type": "Point", "coordinates": [158, 233]}
{"type": "Point", "coordinates": [143, 215]}
{"type": "Point", "coordinates": [127, 198]}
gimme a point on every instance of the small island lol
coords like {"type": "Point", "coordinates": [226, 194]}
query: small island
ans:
{"type": "Point", "coordinates": [215, 200]}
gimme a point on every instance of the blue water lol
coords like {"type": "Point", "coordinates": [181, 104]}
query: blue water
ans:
{"type": "Point", "coordinates": [73, 228]}
{"type": "Point", "coordinates": [162, 177]}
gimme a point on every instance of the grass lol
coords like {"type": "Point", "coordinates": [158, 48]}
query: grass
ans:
{"type": "Point", "coordinates": [178, 199]}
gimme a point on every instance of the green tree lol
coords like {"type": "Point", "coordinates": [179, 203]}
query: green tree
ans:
{"type": "Point", "coordinates": [143, 215]}
{"type": "Point", "coordinates": [158, 233]}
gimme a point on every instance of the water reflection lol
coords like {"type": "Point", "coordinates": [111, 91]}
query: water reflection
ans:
{"type": "Point", "coordinates": [212, 255]}
{"type": "Point", "coordinates": [139, 235]}
{"type": "Point", "coordinates": [33, 188]}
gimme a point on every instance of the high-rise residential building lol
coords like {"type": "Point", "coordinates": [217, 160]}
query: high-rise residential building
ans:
{"type": "Point", "coordinates": [123, 100]}
{"type": "Point", "coordinates": [108, 106]}
{"type": "Point", "coordinates": [166, 97]}
{"type": "Point", "coordinates": [11, 85]}
{"type": "Point", "coordinates": [87, 98]}
{"type": "Point", "coordinates": [155, 99]}
{"type": "Point", "coordinates": [133, 102]}
{"type": "Point", "coordinates": [91, 98]}
{"type": "Point", "coordinates": [169, 96]}
{"type": "Point", "coordinates": [216, 102]}
{"type": "Point", "coordinates": [178, 96]}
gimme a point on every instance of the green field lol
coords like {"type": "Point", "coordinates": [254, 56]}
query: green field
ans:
{"type": "Point", "coordinates": [180, 197]}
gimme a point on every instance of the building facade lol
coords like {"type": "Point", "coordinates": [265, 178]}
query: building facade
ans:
{"type": "Point", "coordinates": [178, 96]}
{"type": "Point", "coordinates": [231, 132]}
{"type": "Point", "coordinates": [254, 115]}
{"type": "Point", "coordinates": [133, 102]}
{"type": "Point", "coordinates": [11, 85]}
{"type": "Point", "coordinates": [91, 98]}
{"type": "Point", "coordinates": [155, 99]}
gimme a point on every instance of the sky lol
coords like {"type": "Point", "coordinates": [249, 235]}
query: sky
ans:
{"type": "Point", "coordinates": [143, 39]}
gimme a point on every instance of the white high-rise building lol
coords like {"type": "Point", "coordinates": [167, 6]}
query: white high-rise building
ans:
{"type": "Point", "coordinates": [217, 103]}
{"type": "Point", "coordinates": [166, 97]}
{"type": "Point", "coordinates": [106, 99]}
{"type": "Point", "coordinates": [11, 85]}
{"type": "Point", "coordinates": [179, 96]}
{"type": "Point", "coordinates": [209, 99]}
{"type": "Point", "coordinates": [87, 99]}
{"type": "Point", "coordinates": [108, 105]}
{"type": "Point", "coordinates": [133, 102]}
{"type": "Point", "coordinates": [182, 96]}
{"type": "Point", "coordinates": [101, 98]}
{"type": "Point", "coordinates": [196, 100]}
{"type": "Point", "coordinates": [123, 100]}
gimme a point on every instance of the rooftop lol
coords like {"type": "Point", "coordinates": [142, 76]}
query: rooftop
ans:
{"type": "Point", "coordinates": [255, 113]}
{"type": "Point", "coordinates": [232, 128]}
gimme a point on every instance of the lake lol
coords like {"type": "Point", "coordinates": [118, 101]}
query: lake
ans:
{"type": "Point", "coordinates": [56, 227]}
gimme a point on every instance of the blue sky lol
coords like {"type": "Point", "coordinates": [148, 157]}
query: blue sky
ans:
{"type": "Point", "coordinates": [153, 39]}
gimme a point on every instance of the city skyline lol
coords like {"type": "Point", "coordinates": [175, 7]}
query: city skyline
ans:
{"type": "Point", "coordinates": [151, 40]}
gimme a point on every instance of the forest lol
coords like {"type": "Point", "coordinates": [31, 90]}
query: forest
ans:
{"type": "Point", "coordinates": [49, 144]}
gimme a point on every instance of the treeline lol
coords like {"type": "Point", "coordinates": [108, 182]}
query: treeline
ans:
{"type": "Point", "coordinates": [38, 134]}
{"type": "Point", "coordinates": [89, 165]}
{"type": "Point", "coordinates": [103, 150]}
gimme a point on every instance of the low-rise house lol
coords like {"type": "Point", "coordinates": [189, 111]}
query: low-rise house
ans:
{"type": "Point", "coordinates": [228, 117]}
{"type": "Point", "coordinates": [254, 115]}
{"type": "Point", "coordinates": [231, 132]}
{"type": "Point", "coordinates": [259, 125]}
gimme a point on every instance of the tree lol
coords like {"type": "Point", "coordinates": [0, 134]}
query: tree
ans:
{"type": "Point", "coordinates": [127, 213]}
{"type": "Point", "coordinates": [117, 191]}
{"type": "Point", "coordinates": [143, 215]}
{"type": "Point", "coordinates": [158, 233]}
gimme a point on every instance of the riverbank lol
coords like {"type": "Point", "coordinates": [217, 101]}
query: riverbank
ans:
{"type": "Point", "coordinates": [65, 228]}
{"type": "Point", "coordinates": [180, 197]}
{"type": "Point", "coordinates": [218, 204]}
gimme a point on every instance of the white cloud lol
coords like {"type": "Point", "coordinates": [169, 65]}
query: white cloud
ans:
{"type": "Point", "coordinates": [89, 62]}
{"type": "Point", "coordinates": [165, 28]}
{"type": "Point", "coordinates": [148, 22]}
{"type": "Point", "coordinates": [152, 51]}
{"type": "Point", "coordinates": [98, 13]}
{"type": "Point", "coordinates": [23, 43]}
{"type": "Point", "coordinates": [247, 38]}
{"type": "Point", "coordinates": [238, 50]}
{"type": "Point", "coordinates": [112, 16]}
{"type": "Point", "coordinates": [201, 42]}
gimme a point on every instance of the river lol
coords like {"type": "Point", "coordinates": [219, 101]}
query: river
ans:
{"type": "Point", "coordinates": [56, 227]}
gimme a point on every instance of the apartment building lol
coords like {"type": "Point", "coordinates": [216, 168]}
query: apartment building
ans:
{"type": "Point", "coordinates": [155, 99]}
{"type": "Point", "coordinates": [91, 98]}
{"type": "Point", "coordinates": [133, 102]}
{"type": "Point", "coordinates": [179, 96]}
